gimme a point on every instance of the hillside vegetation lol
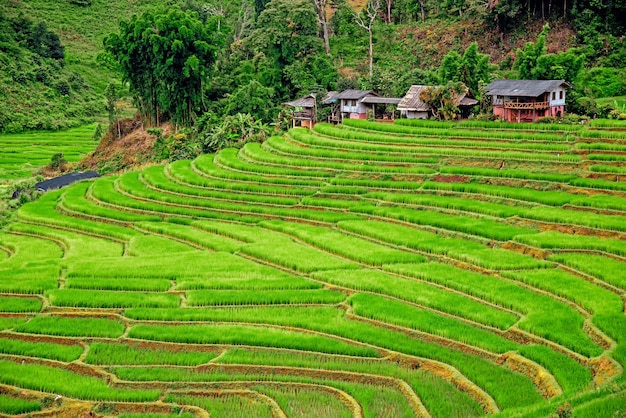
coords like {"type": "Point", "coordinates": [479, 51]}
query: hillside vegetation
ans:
{"type": "Point", "coordinates": [411, 269]}
{"type": "Point", "coordinates": [410, 41]}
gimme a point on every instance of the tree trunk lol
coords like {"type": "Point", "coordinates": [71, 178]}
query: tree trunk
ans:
{"type": "Point", "coordinates": [371, 53]}
{"type": "Point", "coordinates": [320, 6]}
{"type": "Point", "coordinates": [423, 9]}
{"type": "Point", "coordinates": [389, 4]}
{"type": "Point", "coordinates": [325, 34]}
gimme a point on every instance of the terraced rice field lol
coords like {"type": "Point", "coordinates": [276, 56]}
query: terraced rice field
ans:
{"type": "Point", "coordinates": [22, 154]}
{"type": "Point", "coordinates": [364, 270]}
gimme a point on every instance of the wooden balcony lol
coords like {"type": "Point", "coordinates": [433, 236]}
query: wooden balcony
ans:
{"type": "Point", "coordinates": [304, 115]}
{"type": "Point", "coordinates": [526, 106]}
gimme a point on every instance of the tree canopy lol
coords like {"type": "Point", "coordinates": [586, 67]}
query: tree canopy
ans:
{"type": "Point", "coordinates": [166, 57]}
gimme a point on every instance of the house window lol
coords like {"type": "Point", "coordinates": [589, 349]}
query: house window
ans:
{"type": "Point", "coordinates": [561, 95]}
{"type": "Point", "coordinates": [554, 95]}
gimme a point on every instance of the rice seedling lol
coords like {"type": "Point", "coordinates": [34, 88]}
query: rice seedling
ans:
{"type": "Point", "coordinates": [394, 312]}
{"type": "Point", "coordinates": [544, 316]}
{"type": "Point", "coordinates": [607, 123]}
{"type": "Point", "coordinates": [72, 326]}
{"type": "Point", "coordinates": [156, 178]}
{"type": "Point", "coordinates": [190, 206]}
{"type": "Point", "coordinates": [392, 144]}
{"type": "Point", "coordinates": [561, 283]}
{"type": "Point", "coordinates": [429, 242]}
{"type": "Point", "coordinates": [376, 184]}
{"type": "Point", "coordinates": [609, 406]}
{"type": "Point", "coordinates": [19, 305]}
{"type": "Point", "coordinates": [204, 164]}
{"type": "Point", "coordinates": [256, 153]}
{"type": "Point", "coordinates": [299, 316]}
{"type": "Point", "coordinates": [601, 133]}
{"type": "Point", "coordinates": [246, 335]}
{"type": "Point", "coordinates": [74, 200]}
{"type": "Point", "coordinates": [516, 174]}
{"type": "Point", "coordinates": [157, 267]}
{"type": "Point", "coordinates": [516, 126]}
{"type": "Point", "coordinates": [150, 245]}
{"type": "Point", "coordinates": [296, 148]}
{"type": "Point", "coordinates": [347, 246]}
{"type": "Point", "coordinates": [487, 228]}
{"type": "Point", "coordinates": [43, 212]}
{"type": "Point", "coordinates": [78, 245]}
{"type": "Point", "coordinates": [30, 280]}
{"type": "Point", "coordinates": [441, 398]}
{"type": "Point", "coordinates": [418, 292]}
{"type": "Point", "coordinates": [229, 158]}
{"type": "Point", "coordinates": [110, 299]}
{"type": "Point", "coordinates": [298, 257]}
{"type": "Point", "coordinates": [135, 354]}
{"type": "Point", "coordinates": [16, 406]}
{"type": "Point", "coordinates": [181, 172]}
{"type": "Point", "coordinates": [615, 327]}
{"type": "Point", "coordinates": [560, 241]}
{"type": "Point", "coordinates": [512, 389]}
{"type": "Point", "coordinates": [551, 198]}
{"type": "Point", "coordinates": [149, 415]}
{"type": "Point", "coordinates": [24, 247]}
{"type": "Point", "coordinates": [196, 236]}
{"type": "Point", "coordinates": [299, 401]}
{"type": "Point", "coordinates": [606, 157]}
{"type": "Point", "coordinates": [608, 169]}
{"type": "Point", "coordinates": [224, 405]}
{"type": "Point", "coordinates": [571, 375]}
{"type": "Point", "coordinates": [407, 126]}
{"type": "Point", "coordinates": [146, 285]}
{"type": "Point", "coordinates": [601, 146]}
{"type": "Point", "coordinates": [53, 380]}
{"type": "Point", "coordinates": [604, 268]}
{"type": "Point", "coordinates": [262, 297]}
{"type": "Point", "coordinates": [598, 184]}
{"type": "Point", "coordinates": [601, 201]}
{"type": "Point", "coordinates": [40, 349]}
{"type": "Point", "coordinates": [10, 322]}
{"type": "Point", "coordinates": [455, 203]}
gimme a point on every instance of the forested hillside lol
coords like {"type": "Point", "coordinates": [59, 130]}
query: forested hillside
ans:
{"type": "Point", "coordinates": [258, 61]}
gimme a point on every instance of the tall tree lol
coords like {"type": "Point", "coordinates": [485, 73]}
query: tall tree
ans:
{"type": "Point", "coordinates": [472, 69]}
{"type": "Point", "coordinates": [287, 36]}
{"type": "Point", "coordinates": [320, 7]}
{"type": "Point", "coordinates": [526, 59]}
{"type": "Point", "coordinates": [365, 19]}
{"type": "Point", "coordinates": [112, 97]}
{"type": "Point", "coordinates": [165, 56]}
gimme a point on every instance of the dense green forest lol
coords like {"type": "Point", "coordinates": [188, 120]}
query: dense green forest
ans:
{"type": "Point", "coordinates": [223, 67]}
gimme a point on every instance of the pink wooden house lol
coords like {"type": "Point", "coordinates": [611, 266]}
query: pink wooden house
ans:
{"type": "Point", "coordinates": [527, 100]}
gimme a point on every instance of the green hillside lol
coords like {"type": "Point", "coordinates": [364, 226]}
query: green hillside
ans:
{"type": "Point", "coordinates": [366, 269]}
{"type": "Point", "coordinates": [410, 42]}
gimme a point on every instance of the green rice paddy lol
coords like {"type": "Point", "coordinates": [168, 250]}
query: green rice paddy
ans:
{"type": "Point", "coordinates": [366, 270]}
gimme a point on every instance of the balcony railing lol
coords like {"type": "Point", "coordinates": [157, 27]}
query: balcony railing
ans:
{"type": "Point", "coordinates": [526, 106]}
{"type": "Point", "coordinates": [306, 115]}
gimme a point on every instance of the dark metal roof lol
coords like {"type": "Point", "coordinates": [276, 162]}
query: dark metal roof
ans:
{"type": "Point", "coordinates": [354, 94]}
{"type": "Point", "coordinates": [523, 88]}
{"type": "Point", "coordinates": [380, 100]}
{"type": "Point", "coordinates": [412, 102]}
{"type": "Point", "coordinates": [306, 101]}
{"type": "Point", "coordinates": [64, 180]}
